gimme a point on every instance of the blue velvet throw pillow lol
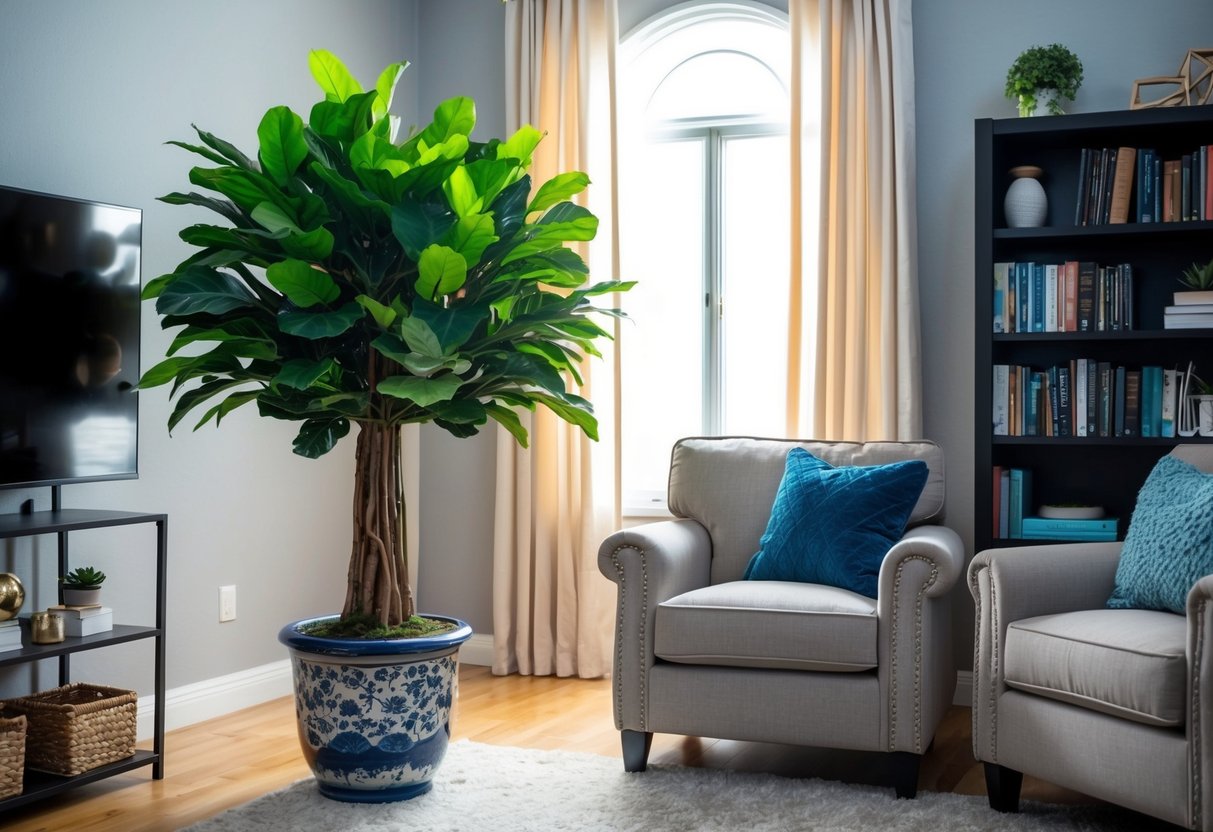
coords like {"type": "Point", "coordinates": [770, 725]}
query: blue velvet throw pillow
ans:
{"type": "Point", "coordinates": [1170, 541]}
{"type": "Point", "coordinates": [834, 526]}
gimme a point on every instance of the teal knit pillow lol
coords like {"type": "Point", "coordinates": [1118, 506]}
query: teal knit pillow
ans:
{"type": "Point", "coordinates": [834, 525]}
{"type": "Point", "coordinates": [1170, 541]}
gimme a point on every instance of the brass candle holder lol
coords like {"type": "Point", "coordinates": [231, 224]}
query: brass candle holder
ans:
{"type": "Point", "coordinates": [46, 628]}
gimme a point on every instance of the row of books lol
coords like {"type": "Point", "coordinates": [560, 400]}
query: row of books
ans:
{"type": "Point", "coordinates": [1112, 180]}
{"type": "Point", "coordinates": [1074, 296]}
{"type": "Point", "coordinates": [1013, 520]}
{"type": "Point", "coordinates": [1085, 398]}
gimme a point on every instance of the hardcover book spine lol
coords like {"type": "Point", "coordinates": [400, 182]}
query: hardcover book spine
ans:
{"type": "Point", "coordinates": [1132, 416]}
{"type": "Point", "coordinates": [1169, 386]}
{"type": "Point", "coordinates": [1118, 402]}
{"type": "Point", "coordinates": [1122, 185]}
{"type": "Point", "coordinates": [1001, 404]}
{"type": "Point", "coordinates": [1064, 403]}
{"type": "Point", "coordinates": [1080, 397]}
{"type": "Point", "coordinates": [1092, 397]}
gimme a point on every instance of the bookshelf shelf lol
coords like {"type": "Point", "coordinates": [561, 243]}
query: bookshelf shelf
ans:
{"type": "Point", "coordinates": [1098, 470]}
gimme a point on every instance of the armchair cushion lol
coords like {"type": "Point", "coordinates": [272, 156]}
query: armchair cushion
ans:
{"type": "Point", "coordinates": [834, 526]}
{"type": "Point", "coordinates": [1169, 545]}
{"type": "Point", "coordinates": [1127, 663]}
{"type": "Point", "coordinates": [771, 624]}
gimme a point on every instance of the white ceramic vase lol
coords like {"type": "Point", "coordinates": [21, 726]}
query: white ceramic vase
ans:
{"type": "Point", "coordinates": [1026, 203]}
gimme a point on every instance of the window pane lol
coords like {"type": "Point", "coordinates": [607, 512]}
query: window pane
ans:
{"type": "Point", "coordinates": [661, 348]}
{"type": "Point", "coordinates": [719, 84]}
{"type": "Point", "coordinates": [755, 271]}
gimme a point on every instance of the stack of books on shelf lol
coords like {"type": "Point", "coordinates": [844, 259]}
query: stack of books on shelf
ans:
{"type": "Point", "coordinates": [84, 620]}
{"type": "Point", "coordinates": [10, 635]}
{"type": "Point", "coordinates": [1055, 528]}
{"type": "Point", "coordinates": [1073, 296]}
{"type": "Point", "coordinates": [1012, 499]}
{"type": "Point", "coordinates": [1085, 398]}
{"type": "Point", "coordinates": [1192, 310]}
{"type": "Point", "coordinates": [1113, 180]}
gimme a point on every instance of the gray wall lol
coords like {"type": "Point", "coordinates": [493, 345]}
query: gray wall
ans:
{"type": "Point", "coordinates": [962, 51]}
{"type": "Point", "coordinates": [89, 93]}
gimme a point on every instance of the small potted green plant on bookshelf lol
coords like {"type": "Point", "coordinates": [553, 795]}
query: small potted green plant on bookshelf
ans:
{"type": "Point", "coordinates": [82, 586]}
{"type": "Point", "coordinates": [1044, 75]}
{"type": "Point", "coordinates": [1197, 281]}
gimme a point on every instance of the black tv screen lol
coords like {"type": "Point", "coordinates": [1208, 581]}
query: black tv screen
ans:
{"type": "Point", "coordinates": [69, 339]}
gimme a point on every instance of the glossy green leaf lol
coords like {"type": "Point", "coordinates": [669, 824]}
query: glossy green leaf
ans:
{"type": "Point", "coordinates": [343, 121]}
{"type": "Point", "coordinates": [455, 116]}
{"type": "Point", "coordinates": [461, 193]}
{"type": "Point", "coordinates": [314, 325]}
{"type": "Point", "coordinates": [301, 373]}
{"type": "Point", "coordinates": [567, 218]}
{"type": "Point", "coordinates": [418, 225]}
{"type": "Point", "coordinates": [422, 391]}
{"type": "Point", "coordinates": [489, 177]}
{"type": "Point", "coordinates": [453, 325]}
{"type": "Point", "coordinates": [471, 236]}
{"type": "Point", "coordinates": [193, 398]}
{"type": "Point", "coordinates": [441, 271]}
{"type": "Point", "coordinates": [558, 189]}
{"type": "Point", "coordinates": [332, 76]}
{"type": "Point", "coordinates": [245, 188]}
{"type": "Point", "coordinates": [419, 337]}
{"type": "Point", "coordinates": [386, 87]}
{"type": "Point", "coordinates": [225, 148]}
{"type": "Point", "coordinates": [204, 152]}
{"type": "Point", "coordinates": [203, 291]}
{"type": "Point", "coordinates": [509, 420]}
{"type": "Point", "coordinates": [383, 315]}
{"type": "Point", "coordinates": [280, 135]}
{"type": "Point", "coordinates": [226, 406]}
{"type": "Point", "coordinates": [521, 145]}
{"type": "Point", "coordinates": [238, 329]}
{"type": "Point", "coordinates": [225, 208]}
{"type": "Point", "coordinates": [317, 437]}
{"type": "Point", "coordinates": [391, 346]}
{"type": "Point", "coordinates": [574, 410]}
{"type": "Point", "coordinates": [303, 285]}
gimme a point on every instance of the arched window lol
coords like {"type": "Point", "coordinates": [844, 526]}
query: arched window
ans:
{"type": "Point", "coordinates": [704, 224]}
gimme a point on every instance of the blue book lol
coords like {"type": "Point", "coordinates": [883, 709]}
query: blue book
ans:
{"type": "Point", "coordinates": [1021, 500]}
{"type": "Point", "coordinates": [1004, 503]}
{"type": "Point", "coordinates": [1038, 297]}
{"type": "Point", "coordinates": [1145, 185]}
{"type": "Point", "coordinates": [1051, 528]}
{"type": "Point", "coordinates": [1023, 284]}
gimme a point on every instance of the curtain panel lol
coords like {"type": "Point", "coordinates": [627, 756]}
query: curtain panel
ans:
{"type": "Point", "coordinates": [557, 500]}
{"type": "Point", "coordinates": [854, 369]}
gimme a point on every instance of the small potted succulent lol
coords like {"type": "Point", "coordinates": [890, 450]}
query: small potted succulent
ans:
{"type": "Point", "coordinates": [82, 587]}
{"type": "Point", "coordinates": [1198, 278]}
{"type": "Point", "coordinates": [1044, 75]}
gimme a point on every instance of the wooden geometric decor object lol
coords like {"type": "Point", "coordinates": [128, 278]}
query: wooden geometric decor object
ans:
{"type": "Point", "coordinates": [1197, 70]}
{"type": "Point", "coordinates": [1192, 84]}
{"type": "Point", "coordinates": [1176, 97]}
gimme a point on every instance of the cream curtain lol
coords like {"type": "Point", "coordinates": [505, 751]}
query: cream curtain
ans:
{"type": "Point", "coordinates": [552, 609]}
{"type": "Point", "coordinates": [854, 370]}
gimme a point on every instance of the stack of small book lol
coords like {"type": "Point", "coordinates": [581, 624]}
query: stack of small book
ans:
{"type": "Point", "coordinates": [10, 635]}
{"type": "Point", "coordinates": [85, 619]}
{"type": "Point", "coordinates": [1068, 528]}
{"type": "Point", "coordinates": [1191, 310]}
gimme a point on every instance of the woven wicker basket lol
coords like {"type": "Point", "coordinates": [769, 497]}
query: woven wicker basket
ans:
{"type": "Point", "coordinates": [78, 727]}
{"type": "Point", "coordinates": [12, 755]}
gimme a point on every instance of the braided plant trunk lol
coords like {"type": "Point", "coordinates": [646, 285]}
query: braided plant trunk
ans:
{"type": "Point", "coordinates": [379, 575]}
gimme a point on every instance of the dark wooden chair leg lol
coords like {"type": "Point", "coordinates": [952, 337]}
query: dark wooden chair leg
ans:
{"type": "Point", "coordinates": [1002, 786]}
{"type": "Point", "coordinates": [636, 745]}
{"type": "Point", "coordinates": [905, 773]}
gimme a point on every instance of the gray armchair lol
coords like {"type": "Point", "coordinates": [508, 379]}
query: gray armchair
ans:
{"type": "Point", "coordinates": [701, 652]}
{"type": "Point", "coordinates": [1114, 703]}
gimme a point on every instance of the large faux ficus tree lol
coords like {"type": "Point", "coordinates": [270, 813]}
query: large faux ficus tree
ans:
{"type": "Point", "coordinates": [358, 280]}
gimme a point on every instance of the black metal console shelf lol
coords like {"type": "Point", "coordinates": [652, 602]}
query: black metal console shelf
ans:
{"type": "Point", "coordinates": [62, 522]}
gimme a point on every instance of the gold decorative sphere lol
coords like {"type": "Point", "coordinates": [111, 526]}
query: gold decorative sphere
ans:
{"type": "Point", "coordinates": [12, 596]}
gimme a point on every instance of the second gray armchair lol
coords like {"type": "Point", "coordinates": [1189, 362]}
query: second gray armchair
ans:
{"type": "Point", "coordinates": [701, 652]}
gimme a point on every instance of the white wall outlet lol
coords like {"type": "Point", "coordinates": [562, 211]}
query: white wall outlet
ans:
{"type": "Point", "coordinates": [227, 603]}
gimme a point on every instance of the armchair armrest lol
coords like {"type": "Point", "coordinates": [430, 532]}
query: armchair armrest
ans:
{"type": "Point", "coordinates": [1015, 583]}
{"type": "Point", "coordinates": [916, 670]}
{"type": "Point", "coordinates": [1200, 686]}
{"type": "Point", "coordinates": [650, 563]}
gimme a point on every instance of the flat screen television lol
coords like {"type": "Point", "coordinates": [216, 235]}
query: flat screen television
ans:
{"type": "Point", "coordinates": [69, 339]}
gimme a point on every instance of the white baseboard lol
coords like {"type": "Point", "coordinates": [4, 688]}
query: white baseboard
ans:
{"type": "Point", "coordinates": [222, 695]}
{"type": "Point", "coordinates": [477, 650]}
{"type": "Point", "coordinates": [964, 689]}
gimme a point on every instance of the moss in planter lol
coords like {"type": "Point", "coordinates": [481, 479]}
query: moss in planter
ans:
{"type": "Point", "coordinates": [368, 627]}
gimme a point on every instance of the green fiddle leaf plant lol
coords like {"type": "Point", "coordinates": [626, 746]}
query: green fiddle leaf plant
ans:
{"type": "Point", "coordinates": [358, 281]}
{"type": "Point", "coordinates": [1052, 67]}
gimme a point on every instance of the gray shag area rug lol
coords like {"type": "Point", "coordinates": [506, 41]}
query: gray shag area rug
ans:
{"type": "Point", "coordinates": [500, 789]}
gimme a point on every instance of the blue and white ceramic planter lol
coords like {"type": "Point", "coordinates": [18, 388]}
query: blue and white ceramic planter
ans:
{"type": "Point", "coordinates": [374, 715]}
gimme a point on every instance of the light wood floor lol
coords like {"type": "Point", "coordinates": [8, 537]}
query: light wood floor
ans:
{"type": "Point", "coordinates": [227, 761]}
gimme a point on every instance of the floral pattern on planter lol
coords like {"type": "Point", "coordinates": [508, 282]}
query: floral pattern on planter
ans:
{"type": "Point", "coordinates": [374, 727]}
